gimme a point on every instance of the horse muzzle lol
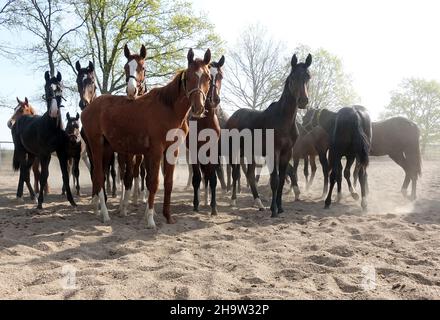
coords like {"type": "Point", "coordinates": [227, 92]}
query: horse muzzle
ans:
{"type": "Point", "coordinates": [11, 124]}
{"type": "Point", "coordinates": [302, 102]}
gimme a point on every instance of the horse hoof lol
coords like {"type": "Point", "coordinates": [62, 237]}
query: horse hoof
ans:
{"type": "Point", "coordinates": [214, 212]}
{"type": "Point", "coordinates": [106, 220]}
{"type": "Point", "coordinates": [20, 200]}
{"type": "Point", "coordinates": [355, 196]}
{"type": "Point", "coordinates": [234, 203]}
{"type": "Point", "coordinates": [196, 209]}
{"type": "Point", "coordinates": [39, 206]}
{"type": "Point", "coordinates": [274, 215]}
{"type": "Point", "coordinates": [280, 210]}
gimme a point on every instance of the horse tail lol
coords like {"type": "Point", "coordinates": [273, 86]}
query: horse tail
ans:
{"type": "Point", "coordinates": [15, 160]}
{"type": "Point", "coordinates": [362, 141]}
{"type": "Point", "coordinates": [415, 154]}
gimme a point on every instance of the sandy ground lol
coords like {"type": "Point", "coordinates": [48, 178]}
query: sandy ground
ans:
{"type": "Point", "coordinates": [391, 252]}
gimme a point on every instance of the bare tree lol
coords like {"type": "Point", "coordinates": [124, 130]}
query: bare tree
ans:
{"type": "Point", "coordinates": [256, 70]}
{"type": "Point", "coordinates": [45, 20]}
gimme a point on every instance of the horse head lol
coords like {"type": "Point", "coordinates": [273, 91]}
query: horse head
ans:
{"type": "Point", "coordinates": [298, 81]}
{"type": "Point", "coordinates": [72, 128]}
{"type": "Point", "coordinates": [85, 81]}
{"type": "Point", "coordinates": [196, 81]}
{"type": "Point", "coordinates": [23, 108]}
{"type": "Point", "coordinates": [53, 94]}
{"type": "Point", "coordinates": [135, 72]}
{"type": "Point", "coordinates": [216, 72]}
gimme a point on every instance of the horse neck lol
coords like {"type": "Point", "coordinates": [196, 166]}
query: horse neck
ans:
{"type": "Point", "coordinates": [176, 98]}
{"type": "Point", "coordinates": [287, 106]}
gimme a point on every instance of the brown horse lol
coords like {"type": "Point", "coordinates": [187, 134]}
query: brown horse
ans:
{"type": "Point", "coordinates": [25, 108]}
{"type": "Point", "coordinates": [210, 121]}
{"type": "Point", "coordinates": [398, 138]}
{"type": "Point", "coordinates": [142, 126]}
{"type": "Point", "coordinates": [130, 164]}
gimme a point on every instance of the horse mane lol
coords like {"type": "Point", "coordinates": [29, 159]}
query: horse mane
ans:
{"type": "Point", "coordinates": [169, 93]}
{"type": "Point", "coordinates": [34, 112]}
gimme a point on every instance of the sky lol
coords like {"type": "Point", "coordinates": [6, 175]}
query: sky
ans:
{"type": "Point", "coordinates": [379, 42]}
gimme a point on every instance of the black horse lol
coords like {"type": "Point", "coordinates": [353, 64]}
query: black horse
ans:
{"type": "Point", "coordinates": [40, 136]}
{"type": "Point", "coordinates": [350, 137]}
{"type": "Point", "coordinates": [279, 116]}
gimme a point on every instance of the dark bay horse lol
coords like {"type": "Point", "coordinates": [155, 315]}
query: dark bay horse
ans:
{"type": "Point", "coordinates": [210, 121]}
{"type": "Point", "coordinates": [86, 82]}
{"type": "Point", "coordinates": [130, 164]}
{"type": "Point", "coordinates": [25, 108]}
{"type": "Point", "coordinates": [76, 149]}
{"type": "Point", "coordinates": [398, 138]}
{"type": "Point", "coordinates": [142, 126]}
{"type": "Point", "coordinates": [39, 136]}
{"type": "Point", "coordinates": [351, 137]}
{"type": "Point", "coordinates": [279, 116]}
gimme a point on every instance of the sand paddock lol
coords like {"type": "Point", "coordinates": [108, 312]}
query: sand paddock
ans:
{"type": "Point", "coordinates": [391, 252]}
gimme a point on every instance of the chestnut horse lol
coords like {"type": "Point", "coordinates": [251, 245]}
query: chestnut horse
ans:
{"type": "Point", "coordinates": [129, 164]}
{"type": "Point", "coordinates": [142, 126]}
{"type": "Point", "coordinates": [42, 135]}
{"type": "Point", "coordinates": [210, 121]}
{"type": "Point", "coordinates": [279, 116]}
{"type": "Point", "coordinates": [398, 138]}
{"type": "Point", "coordinates": [25, 108]}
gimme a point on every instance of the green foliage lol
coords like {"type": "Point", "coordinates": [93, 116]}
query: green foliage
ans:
{"type": "Point", "coordinates": [167, 29]}
{"type": "Point", "coordinates": [419, 101]}
{"type": "Point", "coordinates": [330, 87]}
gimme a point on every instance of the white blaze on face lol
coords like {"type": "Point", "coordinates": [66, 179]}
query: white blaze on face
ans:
{"type": "Point", "coordinates": [199, 74]}
{"type": "Point", "coordinates": [131, 84]}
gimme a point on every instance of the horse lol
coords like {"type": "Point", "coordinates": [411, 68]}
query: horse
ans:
{"type": "Point", "coordinates": [39, 136]}
{"type": "Point", "coordinates": [398, 138]}
{"type": "Point", "coordinates": [86, 82]}
{"type": "Point", "coordinates": [142, 126]}
{"type": "Point", "coordinates": [130, 164]}
{"type": "Point", "coordinates": [25, 108]}
{"type": "Point", "coordinates": [351, 137]}
{"type": "Point", "coordinates": [211, 122]}
{"type": "Point", "coordinates": [76, 149]}
{"type": "Point", "coordinates": [279, 116]}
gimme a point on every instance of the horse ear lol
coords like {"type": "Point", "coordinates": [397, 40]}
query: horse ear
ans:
{"type": "Point", "coordinates": [294, 61]}
{"type": "Point", "coordinates": [47, 76]}
{"type": "Point", "coordinates": [126, 52]}
{"type": "Point", "coordinates": [68, 116]}
{"type": "Point", "coordinates": [59, 78]}
{"type": "Point", "coordinates": [18, 100]}
{"type": "Point", "coordinates": [309, 60]}
{"type": "Point", "coordinates": [221, 62]}
{"type": "Point", "coordinates": [190, 56]}
{"type": "Point", "coordinates": [143, 52]}
{"type": "Point", "coordinates": [91, 66]}
{"type": "Point", "coordinates": [78, 66]}
{"type": "Point", "coordinates": [26, 100]}
{"type": "Point", "coordinates": [77, 116]}
{"type": "Point", "coordinates": [207, 58]}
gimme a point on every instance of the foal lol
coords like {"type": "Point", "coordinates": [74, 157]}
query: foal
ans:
{"type": "Point", "coordinates": [279, 116]}
{"type": "Point", "coordinates": [40, 136]}
{"type": "Point", "coordinates": [144, 126]}
{"type": "Point", "coordinates": [210, 121]}
{"type": "Point", "coordinates": [129, 164]}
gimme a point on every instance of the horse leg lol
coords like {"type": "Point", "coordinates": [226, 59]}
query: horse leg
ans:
{"type": "Point", "coordinates": [350, 161]}
{"type": "Point", "coordinates": [339, 183]}
{"type": "Point", "coordinates": [128, 183]}
{"type": "Point", "coordinates": [69, 170]}
{"type": "Point", "coordinates": [399, 158]}
{"type": "Point", "coordinates": [356, 174]}
{"type": "Point", "coordinates": [313, 167]}
{"type": "Point", "coordinates": [213, 187]}
{"type": "Point", "coordinates": [274, 181]}
{"type": "Point", "coordinates": [76, 174]}
{"type": "Point", "coordinates": [36, 171]}
{"type": "Point", "coordinates": [306, 169]}
{"type": "Point", "coordinates": [168, 188]}
{"type": "Point", "coordinates": [325, 171]}
{"type": "Point", "coordinates": [228, 177]}
{"type": "Point", "coordinates": [113, 174]}
{"type": "Point", "coordinates": [21, 181]}
{"type": "Point", "coordinates": [221, 175]}
{"type": "Point", "coordinates": [333, 177]}
{"type": "Point", "coordinates": [250, 177]}
{"type": "Point", "coordinates": [62, 158]}
{"type": "Point", "coordinates": [190, 170]}
{"type": "Point", "coordinates": [27, 178]}
{"type": "Point", "coordinates": [98, 189]}
{"type": "Point", "coordinates": [205, 179]}
{"type": "Point", "coordinates": [292, 172]}
{"type": "Point", "coordinates": [235, 179]}
{"type": "Point", "coordinates": [44, 161]}
{"type": "Point", "coordinates": [142, 178]}
{"type": "Point", "coordinates": [196, 180]}
{"type": "Point", "coordinates": [284, 161]}
{"type": "Point", "coordinates": [152, 184]}
{"type": "Point", "coordinates": [136, 173]}
{"type": "Point", "coordinates": [244, 169]}
{"type": "Point", "coordinates": [363, 182]}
